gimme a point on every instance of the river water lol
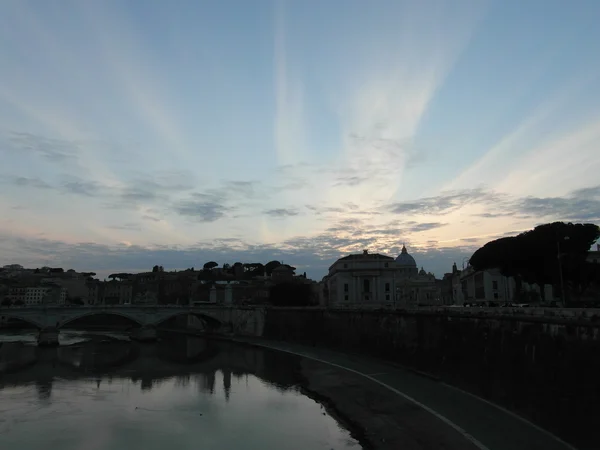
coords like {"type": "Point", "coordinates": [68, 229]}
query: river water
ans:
{"type": "Point", "coordinates": [99, 391]}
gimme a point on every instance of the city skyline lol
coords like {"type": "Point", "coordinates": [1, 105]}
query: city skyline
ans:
{"type": "Point", "coordinates": [140, 134]}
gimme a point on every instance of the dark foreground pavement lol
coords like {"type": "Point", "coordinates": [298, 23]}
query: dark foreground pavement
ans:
{"type": "Point", "coordinates": [449, 411]}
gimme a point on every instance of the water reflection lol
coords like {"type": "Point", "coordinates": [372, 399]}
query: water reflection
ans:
{"type": "Point", "coordinates": [176, 357]}
{"type": "Point", "coordinates": [44, 390]}
{"type": "Point", "coordinates": [182, 392]}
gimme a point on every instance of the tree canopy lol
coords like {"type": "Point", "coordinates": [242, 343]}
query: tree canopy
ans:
{"type": "Point", "coordinates": [75, 301]}
{"type": "Point", "coordinates": [292, 294]}
{"type": "Point", "coordinates": [270, 266]}
{"type": "Point", "coordinates": [120, 276]}
{"type": "Point", "coordinates": [537, 256]}
{"type": "Point", "coordinates": [254, 269]}
{"type": "Point", "coordinates": [210, 265]}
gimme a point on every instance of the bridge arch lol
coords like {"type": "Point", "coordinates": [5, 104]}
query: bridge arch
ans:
{"type": "Point", "coordinates": [208, 319]}
{"type": "Point", "coordinates": [132, 317]}
{"type": "Point", "coordinates": [37, 321]}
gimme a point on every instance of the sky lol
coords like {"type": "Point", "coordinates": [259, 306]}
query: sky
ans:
{"type": "Point", "coordinates": [135, 133]}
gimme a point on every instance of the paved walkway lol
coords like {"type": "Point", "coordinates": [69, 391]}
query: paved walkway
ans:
{"type": "Point", "coordinates": [484, 424]}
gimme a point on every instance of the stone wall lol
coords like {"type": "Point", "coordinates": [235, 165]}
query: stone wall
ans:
{"type": "Point", "coordinates": [545, 368]}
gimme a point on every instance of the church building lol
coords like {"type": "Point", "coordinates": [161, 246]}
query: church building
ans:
{"type": "Point", "coordinates": [379, 280]}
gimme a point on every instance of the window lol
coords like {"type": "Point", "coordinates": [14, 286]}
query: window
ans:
{"type": "Point", "coordinates": [495, 285]}
{"type": "Point", "coordinates": [366, 285]}
{"type": "Point", "coordinates": [346, 297]}
{"type": "Point", "coordinates": [345, 287]}
{"type": "Point", "coordinates": [496, 295]}
{"type": "Point", "coordinates": [387, 287]}
{"type": "Point", "coordinates": [386, 265]}
{"type": "Point", "coordinates": [345, 266]}
{"type": "Point", "coordinates": [387, 297]}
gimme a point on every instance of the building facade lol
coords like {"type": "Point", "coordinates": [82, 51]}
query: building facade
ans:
{"type": "Point", "coordinates": [109, 292]}
{"type": "Point", "coordinates": [283, 273]}
{"type": "Point", "coordinates": [37, 295]}
{"type": "Point", "coordinates": [594, 255]}
{"type": "Point", "coordinates": [491, 287]}
{"type": "Point", "coordinates": [378, 280]}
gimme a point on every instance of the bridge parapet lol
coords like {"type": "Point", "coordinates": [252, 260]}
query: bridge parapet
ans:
{"type": "Point", "coordinates": [536, 313]}
{"type": "Point", "coordinates": [238, 320]}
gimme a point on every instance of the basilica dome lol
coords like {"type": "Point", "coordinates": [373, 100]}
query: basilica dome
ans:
{"type": "Point", "coordinates": [405, 260]}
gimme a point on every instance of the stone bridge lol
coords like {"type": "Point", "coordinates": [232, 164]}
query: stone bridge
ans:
{"type": "Point", "coordinates": [233, 319]}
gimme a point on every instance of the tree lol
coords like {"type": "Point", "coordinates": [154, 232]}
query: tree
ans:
{"type": "Point", "coordinates": [75, 301]}
{"type": "Point", "coordinates": [291, 294]}
{"type": "Point", "coordinates": [120, 276]}
{"type": "Point", "coordinates": [18, 303]}
{"type": "Point", "coordinates": [237, 269]}
{"type": "Point", "coordinates": [589, 276]}
{"type": "Point", "coordinates": [254, 269]}
{"type": "Point", "coordinates": [270, 266]}
{"type": "Point", "coordinates": [556, 249]}
{"type": "Point", "coordinates": [57, 270]}
{"type": "Point", "coordinates": [210, 265]}
{"type": "Point", "coordinates": [6, 302]}
{"type": "Point", "coordinates": [533, 256]}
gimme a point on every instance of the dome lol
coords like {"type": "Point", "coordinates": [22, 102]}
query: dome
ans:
{"type": "Point", "coordinates": [404, 259]}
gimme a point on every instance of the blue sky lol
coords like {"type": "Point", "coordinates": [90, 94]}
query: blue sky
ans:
{"type": "Point", "coordinates": [140, 133]}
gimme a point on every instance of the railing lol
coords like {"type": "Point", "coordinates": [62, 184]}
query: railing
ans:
{"type": "Point", "coordinates": [540, 311]}
{"type": "Point", "coordinates": [146, 306]}
{"type": "Point", "coordinates": [564, 313]}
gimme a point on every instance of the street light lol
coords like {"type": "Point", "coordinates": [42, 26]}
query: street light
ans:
{"type": "Point", "coordinates": [560, 271]}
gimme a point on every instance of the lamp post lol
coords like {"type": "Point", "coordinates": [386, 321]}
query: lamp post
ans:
{"type": "Point", "coordinates": [560, 270]}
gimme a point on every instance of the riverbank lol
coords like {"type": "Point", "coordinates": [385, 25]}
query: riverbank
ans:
{"type": "Point", "coordinates": [435, 405]}
{"type": "Point", "coordinates": [378, 420]}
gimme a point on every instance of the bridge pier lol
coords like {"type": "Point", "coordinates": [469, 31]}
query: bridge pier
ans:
{"type": "Point", "coordinates": [48, 337]}
{"type": "Point", "coordinates": [146, 333]}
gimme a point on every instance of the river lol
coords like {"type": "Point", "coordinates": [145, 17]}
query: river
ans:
{"type": "Point", "coordinates": [99, 391]}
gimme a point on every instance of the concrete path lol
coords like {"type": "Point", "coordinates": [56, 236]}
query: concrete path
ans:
{"type": "Point", "coordinates": [487, 426]}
